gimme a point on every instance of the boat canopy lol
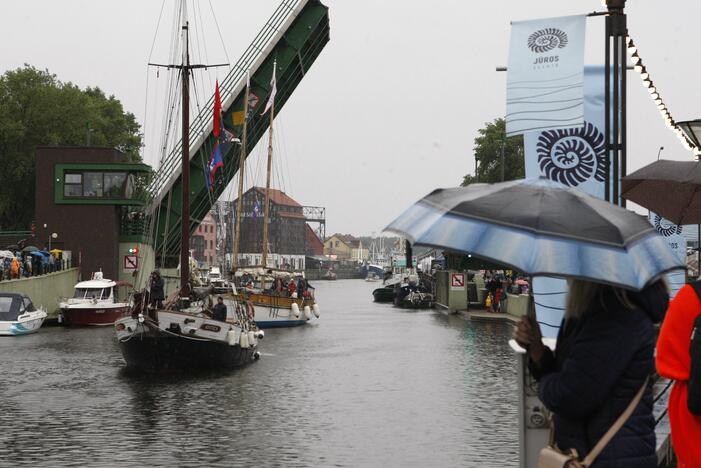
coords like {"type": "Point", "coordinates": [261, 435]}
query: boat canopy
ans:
{"type": "Point", "coordinates": [96, 284]}
{"type": "Point", "coordinates": [14, 305]}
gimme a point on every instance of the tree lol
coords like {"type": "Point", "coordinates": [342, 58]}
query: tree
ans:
{"type": "Point", "coordinates": [488, 155]}
{"type": "Point", "coordinates": [36, 109]}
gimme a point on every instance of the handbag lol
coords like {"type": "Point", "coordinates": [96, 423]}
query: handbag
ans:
{"type": "Point", "coordinates": [552, 457]}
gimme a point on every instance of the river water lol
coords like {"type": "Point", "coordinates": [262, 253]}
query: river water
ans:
{"type": "Point", "coordinates": [365, 385]}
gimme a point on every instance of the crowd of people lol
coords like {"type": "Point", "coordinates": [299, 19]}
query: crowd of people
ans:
{"type": "Point", "coordinates": [293, 287]}
{"type": "Point", "coordinates": [500, 283]}
{"type": "Point", "coordinates": [15, 265]}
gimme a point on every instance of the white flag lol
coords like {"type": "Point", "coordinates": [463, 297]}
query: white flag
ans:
{"type": "Point", "coordinates": [544, 87]}
{"type": "Point", "coordinates": [273, 91]}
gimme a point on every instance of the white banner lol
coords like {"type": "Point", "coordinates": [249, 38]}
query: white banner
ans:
{"type": "Point", "coordinates": [544, 82]}
{"type": "Point", "coordinates": [673, 235]}
{"type": "Point", "coordinates": [574, 157]}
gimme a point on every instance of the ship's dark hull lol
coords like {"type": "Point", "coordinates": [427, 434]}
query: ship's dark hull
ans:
{"type": "Point", "coordinates": [155, 351]}
{"type": "Point", "coordinates": [383, 295]}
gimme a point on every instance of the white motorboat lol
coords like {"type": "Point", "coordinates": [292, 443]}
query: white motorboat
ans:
{"type": "Point", "coordinates": [18, 316]}
{"type": "Point", "coordinates": [94, 303]}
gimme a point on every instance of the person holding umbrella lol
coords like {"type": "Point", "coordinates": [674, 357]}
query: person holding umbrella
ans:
{"type": "Point", "coordinates": [613, 259]}
{"type": "Point", "coordinates": [604, 354]}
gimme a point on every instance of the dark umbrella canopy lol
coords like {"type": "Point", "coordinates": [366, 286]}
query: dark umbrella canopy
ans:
{"type": "Point", "coordinates": [543, 207]}
{"type": "Point", "coordinates": [672, 189]}
{"type": "Point", "coordinates": [542, 228]}
{"type": "Point", "coordinates": [30, 248]}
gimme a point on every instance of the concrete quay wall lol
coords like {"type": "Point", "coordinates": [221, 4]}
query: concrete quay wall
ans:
{"type": "Point", "coordinates": [45, 291]}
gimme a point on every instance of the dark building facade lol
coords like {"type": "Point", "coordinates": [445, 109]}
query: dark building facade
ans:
{"type": "Point", "coordinates": [82, 193]}
{"type": "Point", "coordinates": [287, 235]}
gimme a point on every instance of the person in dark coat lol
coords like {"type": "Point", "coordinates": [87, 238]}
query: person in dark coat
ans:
{"type": "Point", "coordinates": [604, 353]}
{"type": "Point", "coordinates": [219, 310]}
{"type": "Point", "coordinates": [156, 287]}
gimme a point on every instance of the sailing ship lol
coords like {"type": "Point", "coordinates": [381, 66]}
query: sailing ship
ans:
{"type": "Point", "coordinates": [181, 336]}
{"type": "Point", "coordinates": [274, 306]}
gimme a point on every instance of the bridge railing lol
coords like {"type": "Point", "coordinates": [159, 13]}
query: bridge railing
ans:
{"type": "Point", "coordinates": [201, 125]}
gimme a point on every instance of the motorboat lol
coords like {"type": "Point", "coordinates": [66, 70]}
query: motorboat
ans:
{"type": "Point", "coordinates": [94, 303]}
{"type": "Point", "coordinates": [18, 316]}
{"type": "Point", "coordinates": [372, 277]}
{"type": "Point", "coordinates": [218, 284]}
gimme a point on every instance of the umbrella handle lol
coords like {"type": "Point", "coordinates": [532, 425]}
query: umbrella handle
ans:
{"type": "Point", "coordinates": [530, 311]}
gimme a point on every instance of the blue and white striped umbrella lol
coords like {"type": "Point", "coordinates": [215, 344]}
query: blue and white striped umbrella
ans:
{"type": "Point", "coordinates": [541, 227]}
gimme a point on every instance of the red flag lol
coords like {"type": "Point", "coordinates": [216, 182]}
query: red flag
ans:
{"type": "Point", "coordinates": [217, 112]}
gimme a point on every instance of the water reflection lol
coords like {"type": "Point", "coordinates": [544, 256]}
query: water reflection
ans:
{"type": "Point", "coordinates": [368, 385]}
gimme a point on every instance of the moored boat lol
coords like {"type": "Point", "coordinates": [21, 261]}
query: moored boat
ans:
{"type": "Point", "coordinates": [18, 316]}
{"type": "Point", "coordinates": [383, 294]}
{"type": "Point", "coordinates": [94, 303]}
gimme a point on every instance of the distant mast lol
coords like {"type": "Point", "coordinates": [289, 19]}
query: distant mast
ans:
{"type": "Point", "coordinates": [266, 214]}
{"type": "Point", "coordinates": [242, 163]}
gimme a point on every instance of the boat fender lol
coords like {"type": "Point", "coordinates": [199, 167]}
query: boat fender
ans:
{"type": "Point", "coordinates": [231, 337]}
{"type": "Point", "coordinates": [307, 312]}
{"type": "Point", "coordinates": [244, 340]}
{"type": "Point", "coordinates": [60, 318]}
{"type": "Point", "coordinates": [141, 318]}
{"type": "Point", "coordinates": [295, 309]}
{"type": "Point", "coordinates": [315, 309]}
{"type": "Point", "coordinates": [251, 339]}
{"type": "Point", "coordinates": [256, 355]}
{"type": "Point", "coordinates": [261, 334]}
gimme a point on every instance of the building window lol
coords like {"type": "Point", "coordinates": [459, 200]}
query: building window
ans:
{"type": "Point", "coordinates": [89, 184]}
{"type": "Point", "coordinates": [73, 185]}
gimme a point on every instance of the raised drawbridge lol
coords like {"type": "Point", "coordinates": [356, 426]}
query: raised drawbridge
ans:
{"type": "Point", "coordinates": [294, 36]}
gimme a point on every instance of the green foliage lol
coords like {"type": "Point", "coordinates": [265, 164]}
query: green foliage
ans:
{"type": "Point", "coordinates": [488, 147]}
{"type": "Point", "coordinates": [36, 109]}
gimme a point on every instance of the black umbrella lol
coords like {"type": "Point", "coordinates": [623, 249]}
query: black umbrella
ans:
{"type": "Point", "coordinates": [671, 189]}
{"type": "Point", "coordinates": [542, 228]}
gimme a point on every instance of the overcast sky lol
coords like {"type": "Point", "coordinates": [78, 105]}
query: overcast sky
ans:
{"type": "Point", "coordinates": [390, 109]}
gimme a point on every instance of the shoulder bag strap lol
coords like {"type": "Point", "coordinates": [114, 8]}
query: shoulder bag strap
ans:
{"type": "Point", "coordinates": [591, 456]}
{"type": "Point", "coordinates": [696, 285]}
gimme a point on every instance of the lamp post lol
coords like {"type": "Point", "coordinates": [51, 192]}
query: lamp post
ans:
{"type": "Point", "coordinates": [692, 130]}
{"type": "Point", "coordinates": [52, 236]}
{"type": "Point", "coordinates": [615, 99]}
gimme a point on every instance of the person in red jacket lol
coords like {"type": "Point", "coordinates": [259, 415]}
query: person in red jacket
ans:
{"type": "Point", "coordinates": [674, 362]}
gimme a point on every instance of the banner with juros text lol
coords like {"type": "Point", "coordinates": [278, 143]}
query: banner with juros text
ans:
{"type": "Point", "coordinates": [544, 86]}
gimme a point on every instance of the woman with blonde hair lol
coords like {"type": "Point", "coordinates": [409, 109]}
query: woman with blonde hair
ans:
{"type": "Point", "coordinates": [603, 356]}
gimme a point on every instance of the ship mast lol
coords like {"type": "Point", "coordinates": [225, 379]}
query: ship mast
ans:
{"type": "Point", "coordinates": [185, 219]}
{"type": "Point", "coordinates": [242, 163]}
{"type": "Point", "coordinates": [186, 68]}
{"type": "Point", "coordinates": [266, 215]}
